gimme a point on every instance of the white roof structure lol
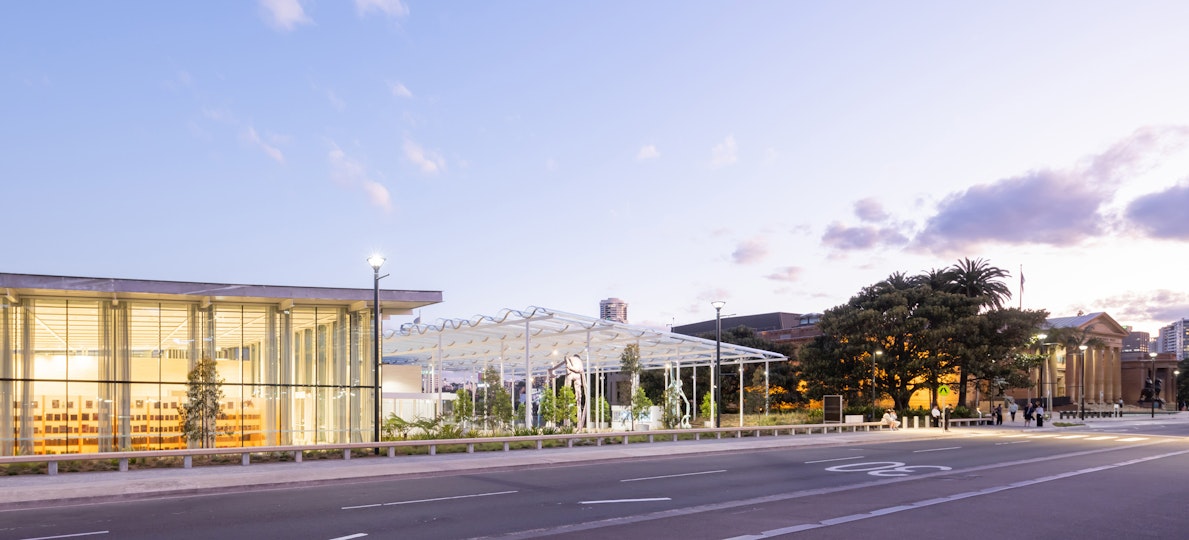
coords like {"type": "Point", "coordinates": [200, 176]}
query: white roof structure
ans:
{"type": "Point", "coordinates": [549, 337]}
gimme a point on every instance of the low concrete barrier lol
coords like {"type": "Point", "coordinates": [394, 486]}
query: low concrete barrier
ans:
{"type": "Point", "coordinates": [245, 452]}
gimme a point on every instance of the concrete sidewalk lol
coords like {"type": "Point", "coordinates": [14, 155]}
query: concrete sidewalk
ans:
{"type": "Point", "coordinates": [78, 487]}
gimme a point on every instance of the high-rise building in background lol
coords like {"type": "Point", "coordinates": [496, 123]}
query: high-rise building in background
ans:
{"type": "Point", "coordinates": [1136, 341]}
{"type": "Point", "coordinates": [613, 309]}
{"type": "Point", "coordinates": [1173, 339]}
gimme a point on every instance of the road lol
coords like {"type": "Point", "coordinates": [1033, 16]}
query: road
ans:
{"type": "Point", "coordinates": [970, 484]}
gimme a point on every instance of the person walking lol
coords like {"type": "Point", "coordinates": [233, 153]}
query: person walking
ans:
{"type": "Point", "coordinates": [998, 415]}
{"type": "Point", "coordinates": [1012, 409]}
{"type": "Point", "coordinates": [1028, 411]}
{"type": "Point", "coordinates": [945, 417]}
{"type": "Point", "coordinates": [936, 413]}
{"type": "Point", "coordinates": [1040, 415]}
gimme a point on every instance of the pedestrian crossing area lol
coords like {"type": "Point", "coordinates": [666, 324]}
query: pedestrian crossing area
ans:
{"type": "Point", "coordinates": [1059, 436]}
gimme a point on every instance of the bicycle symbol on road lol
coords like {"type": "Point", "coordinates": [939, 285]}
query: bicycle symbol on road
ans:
{"type": "Point", "coordinates": [885, 468]}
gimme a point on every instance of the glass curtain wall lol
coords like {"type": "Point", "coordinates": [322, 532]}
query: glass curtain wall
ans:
{"type": "Point", "coordinates": [87, 375]}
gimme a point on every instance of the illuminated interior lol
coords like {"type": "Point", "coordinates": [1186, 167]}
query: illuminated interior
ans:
{"type": "Point", "coordinates": [81, 374]}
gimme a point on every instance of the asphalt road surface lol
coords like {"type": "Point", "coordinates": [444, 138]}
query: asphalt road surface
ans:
{"type": "Point", "coordinates": [1130, 483]}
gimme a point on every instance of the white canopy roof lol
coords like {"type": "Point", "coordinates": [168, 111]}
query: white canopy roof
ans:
{"type": "Point", "coordinates": [549, 337]}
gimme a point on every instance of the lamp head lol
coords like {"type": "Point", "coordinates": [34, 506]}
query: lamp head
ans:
{"type": "Point", "coordinates": [1082, 348]}
{"type": "Point", "coordinates": [376, 260]}
{"type": "Point", "coordinates": [718, 304]}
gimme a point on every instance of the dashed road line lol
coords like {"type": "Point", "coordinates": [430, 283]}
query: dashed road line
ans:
{"type": "Point", "coordinates": [672, 475]}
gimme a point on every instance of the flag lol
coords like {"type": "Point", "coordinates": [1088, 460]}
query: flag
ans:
{"type": "Point", "coordinates": [1021, 286]}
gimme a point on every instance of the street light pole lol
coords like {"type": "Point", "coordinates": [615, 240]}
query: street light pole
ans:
{"type": "Point", "coordinates": [717, 390]}
{"type": "Point", "coordinates": [1082, 384]}
{"type": "Point", "coordinates": [376, 261]}
{"type": "Point", "coordinates": [874, 364]}
{"type": "Point", "coordinates": [1152, 355]}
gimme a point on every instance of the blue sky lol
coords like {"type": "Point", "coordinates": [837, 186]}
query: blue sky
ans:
{"type": "Point", "coordinates": [776, 155]}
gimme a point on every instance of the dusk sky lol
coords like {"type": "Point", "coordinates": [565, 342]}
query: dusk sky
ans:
{"type": "Point", "coordinates": [776, 155]}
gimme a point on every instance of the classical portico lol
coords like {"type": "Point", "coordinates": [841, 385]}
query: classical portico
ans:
{"type": "Point", "coordinates": [1094, 367]}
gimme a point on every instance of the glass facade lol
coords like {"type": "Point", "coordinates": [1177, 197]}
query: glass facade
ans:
{"type": "Point", "coordinates": [82, 374]}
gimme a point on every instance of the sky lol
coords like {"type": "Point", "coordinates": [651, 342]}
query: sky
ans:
{"type": "Point", "coordinates": [778, 156]}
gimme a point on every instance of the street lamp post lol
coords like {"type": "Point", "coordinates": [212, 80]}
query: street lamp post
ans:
{"type": "Point", "coordinates": [717, 390]}
{"type": "Point", "coordinates": [874, 364]}
{"type": "Point", "coordinates": [1152, 355]}
{"type": "Point", "coordinates": [1082, 384]}
{"type": "Point", "coordinates": [1046, 388]}
{"type": "Point", "coordinates": [376, 261]}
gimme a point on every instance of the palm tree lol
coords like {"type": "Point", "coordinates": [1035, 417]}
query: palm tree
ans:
{"type": "Point", "coordinates": [978, 279]}
{"type": "Point", "coordinates": [941, 280]}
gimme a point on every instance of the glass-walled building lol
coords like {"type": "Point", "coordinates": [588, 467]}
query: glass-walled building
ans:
{"type": "Point", "coordinates": [96, 365]}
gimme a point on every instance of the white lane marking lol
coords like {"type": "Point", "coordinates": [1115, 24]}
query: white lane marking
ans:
{"type": "Point", "coordinates": [835, 459]}
{"type": "Point", "coordinates": [936, 449]}
{"type": "Point", "coordinates": [1010, 442]}
{"type": "Point", "coordinates": [1073, 436]}
{"type": "Point", "coordinates": [673, 475]}
{"type": "Point", "coordinates": [611, 501]}
{"type": "Point", "coordinates": [1103, 438]}
{"type": "Point", "coordinates": [1133, 439]}
{"type": "Point", "coordinates": [430, 500]}
{"type": "Point", "coordinates": [951, 498]}
{"type": "Point", "coordinates": [68, 535]}
{"type": "Point", "coordinates": [350, 536]}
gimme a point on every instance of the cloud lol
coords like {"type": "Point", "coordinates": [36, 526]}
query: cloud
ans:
{"type": "Point", "coordinates": [1159, 305]}
{"type": "Point", "coordinates": [284, 14]}
{"type": "Point", "coordinates": [390, 8]}
{"type": "Point", "coordinates": [788, 273]}
{"type": "Point", "coordinates": [349, 173]}
{"type": "Point", "coordinates": [1135, 153]}
{"type": "Point", "coordinates": [750, 251]}
{"type": "Point", "coordinates": [1055, 207]}
{"type": "Point", "coordinates": [842, 237]}
{"type": "Point", "coordinates": [724, 153]}
{"type": "Point", "coordinates": [250, 136]}
{"type": "Point", "coordinates": [1041, 207]}
{"type": "Point", "coordinates": [551, 165]}
{"type": "Point", "coordinates": [399, 90]}
{"type": "Point", "coordinates": [1164, 214]}
{"type": "Point", "coordinates": [647, 151]}
{"type": "Point", "coordinates": [870, 210]}
{"type": "Point", "coordinates": [428, 162]}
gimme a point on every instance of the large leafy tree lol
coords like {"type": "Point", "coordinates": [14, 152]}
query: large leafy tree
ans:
{"type": "Point", "coordinates": [911, 324]}
{"type": "Point", "coordinates": [1000, 353]}
{"type": "Point", "coordinates": [926, 328]}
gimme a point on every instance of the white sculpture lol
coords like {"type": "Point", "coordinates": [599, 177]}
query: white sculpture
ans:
{"type": "Point", "coordinates": [575, 377]}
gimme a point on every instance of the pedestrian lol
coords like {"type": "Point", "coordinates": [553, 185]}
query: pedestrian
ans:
{"type": "Point", "coordinates": [1012, 409]}
{"type": "Point", "coordinates": [1028, 411]}
{"type": "Point", "coordinates": [998, 415]}
{"type": "Point", "coordinates": [949, 411]}
{"type": "Point", "coordinates": [936, 416]}
{"type": "Point", "coordinates": [890, 420]}
{"type": "Point", "coordinates": [1040, 415]}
